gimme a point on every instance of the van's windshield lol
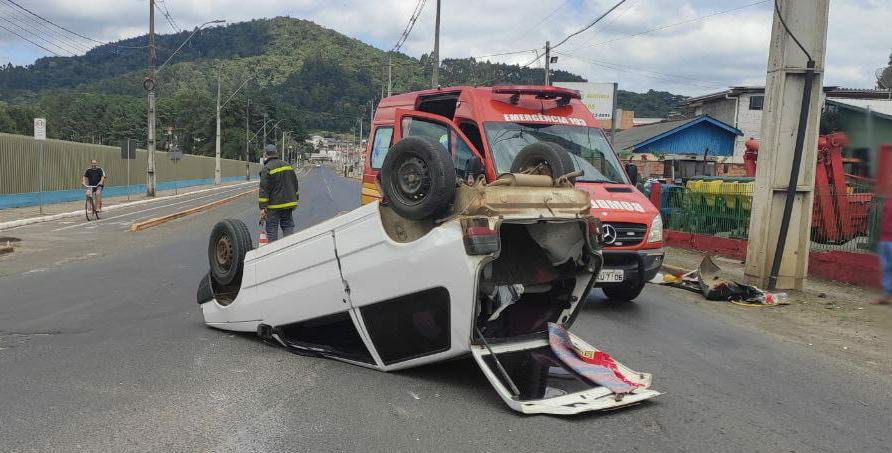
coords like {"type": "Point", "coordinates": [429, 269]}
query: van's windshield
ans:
{"type": "Point", "coordinates": [587, 145]}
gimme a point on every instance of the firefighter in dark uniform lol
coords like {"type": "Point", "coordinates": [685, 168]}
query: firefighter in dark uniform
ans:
{"type": "Point", "coordinates": [278, 194]}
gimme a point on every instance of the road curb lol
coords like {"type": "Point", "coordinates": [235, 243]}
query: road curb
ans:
{"type": "Point", "coordinates": [50, 218]}
{"type": "Point", "coordinates": [164, 219]}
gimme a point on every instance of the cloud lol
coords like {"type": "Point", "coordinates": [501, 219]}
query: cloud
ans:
{"type": "Point", "coordinates": [691, 58]}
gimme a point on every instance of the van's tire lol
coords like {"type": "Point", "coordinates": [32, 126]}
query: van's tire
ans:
{"type": "Point", "coordinates": [418, 178]}
{"type": "Point", "coordinates": [205, 293]}
{"type": "Point", "coordinates": [230, 241]}
{"type": "Point", "coordinates": [550, 155]}
{"type": "Point", "coordinates": [626, 291]}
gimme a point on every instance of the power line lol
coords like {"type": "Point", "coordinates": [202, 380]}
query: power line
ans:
{"type": "Point", "coordinates": [161, 6]}
{"type": "Point", "coordinates": [548, 16]}
{"type": "Point", "coordinates": [592, 24]}
{"type": "Point", "coordinates": [405, 35]}
{"type": "Point", "coordinates": [64, 49]}
{"type": "Point", "coordinates": [647, 73]}
{"type": "Point", "coordinates": [66, 29]}
{"type": "Point", "coordinates": [630, 7]}
{"type": "Point", "coordinates": [516, 52]}
{"type": "Point", "coordinates": [36, 28]}
{"type": "Point", "coordinates": [32, 42]}
{"type": "Point", "coordinates": [675, 24]}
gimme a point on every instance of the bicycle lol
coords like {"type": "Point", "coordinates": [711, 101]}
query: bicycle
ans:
{"type": "Point", "coordinates": [90, 204]}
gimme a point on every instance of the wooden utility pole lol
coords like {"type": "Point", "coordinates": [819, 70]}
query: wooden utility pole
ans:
{"type": "Point", "coordinates": [435, 77]}
{"type": "Point", "coordinates": [780, 225]}
{"type": "Point", "coordinates": [150, 87]}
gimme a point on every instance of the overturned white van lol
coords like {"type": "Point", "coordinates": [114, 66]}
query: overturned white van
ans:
{"type": "Point", "coordinates": [484, 273]}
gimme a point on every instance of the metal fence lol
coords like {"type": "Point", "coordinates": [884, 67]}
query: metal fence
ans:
{"type": "Point", "coordinates": [847, 221]}
{"type": "Point", "coordinates": [22, 170]}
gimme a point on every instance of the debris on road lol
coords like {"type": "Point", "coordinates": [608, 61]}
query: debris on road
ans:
{"type": "Point", "coordinates": [707, 281]}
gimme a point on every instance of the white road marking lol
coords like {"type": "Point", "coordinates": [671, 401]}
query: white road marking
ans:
{"type": "Point", "coordinates": [141, 211]}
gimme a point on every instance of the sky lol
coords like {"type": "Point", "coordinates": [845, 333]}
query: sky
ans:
{"type": "Point", "coordinates": [700, 46]}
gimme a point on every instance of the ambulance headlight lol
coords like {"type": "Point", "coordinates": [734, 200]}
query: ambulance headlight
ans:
{"type": "Point", "coordinates": [656, 230]}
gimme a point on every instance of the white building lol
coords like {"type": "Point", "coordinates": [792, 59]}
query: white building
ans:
{"type": "Point", "coordinates": [741, 107]}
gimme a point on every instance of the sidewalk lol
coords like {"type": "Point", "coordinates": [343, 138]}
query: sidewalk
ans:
{"type": "Point", "coordinates": [832, 316]}
{"type": "Point", "coordinates": [13, 214]}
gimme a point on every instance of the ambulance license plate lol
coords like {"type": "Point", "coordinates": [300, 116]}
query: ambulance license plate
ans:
{"type": "Point", "coordinates": [611, 276]}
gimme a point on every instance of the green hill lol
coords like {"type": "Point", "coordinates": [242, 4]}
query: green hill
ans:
{"type": "Point", "coordinates": [301, 74]}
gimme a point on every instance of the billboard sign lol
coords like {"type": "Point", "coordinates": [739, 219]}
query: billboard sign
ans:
{"type": "Point", "coordinates": [598, 97]}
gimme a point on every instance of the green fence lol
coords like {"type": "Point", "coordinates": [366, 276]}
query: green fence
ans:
{"type": "Point", "coordinates": [64, 162]}
{"type": "Point", "coordinates": [847, 221]}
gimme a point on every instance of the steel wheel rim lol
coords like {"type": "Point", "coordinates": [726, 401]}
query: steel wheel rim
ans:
{"type": "Point", "coordinates": [413, 180]}
{"type": "Point", "coordinates": [223, 252]}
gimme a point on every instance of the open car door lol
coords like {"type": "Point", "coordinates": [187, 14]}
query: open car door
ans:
{"type": "Point", "coordinates": [534, 379]}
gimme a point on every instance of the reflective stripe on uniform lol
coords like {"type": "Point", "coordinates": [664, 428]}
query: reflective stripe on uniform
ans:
{"type": "Point", "coordinates": [264, 199]}
{"type": "Point", "coordinates": [290, 204]}
{"type": "Point", "coordinates": [281, 169]}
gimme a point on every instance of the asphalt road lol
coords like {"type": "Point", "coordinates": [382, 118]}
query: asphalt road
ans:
{"type": "Point", "coordinates": [102, 348]}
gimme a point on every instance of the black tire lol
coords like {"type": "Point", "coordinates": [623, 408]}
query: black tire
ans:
{"type": "Point", "coordinates": [229, 242]}
{"type": "Point", "coordinates": [205, 293]}
{"type": "Point", "coordinates": [627, 291]}
{"type": "Point", "coordinates": [88, 209]}
{"type": "Point", "coordinates": [418, 178]}
{"type": "Point", "coordinates": [550, 156]}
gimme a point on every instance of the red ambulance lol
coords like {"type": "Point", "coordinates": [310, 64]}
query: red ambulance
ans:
{"type": "Point", "coordinates": [485, 128]}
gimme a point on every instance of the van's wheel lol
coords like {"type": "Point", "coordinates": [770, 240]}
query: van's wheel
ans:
{"type": "Point", "coordinates": [544, 158]}
{"type": "Point", "coordinates": [205, 293]}
{"type": "Point", "coordinates": [230, 241]}
{"type": "Point", "coordinates": [628, 291]}
{"type": "Point", "coordinates": [418, 178]}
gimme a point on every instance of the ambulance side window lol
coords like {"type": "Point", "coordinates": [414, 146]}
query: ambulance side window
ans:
{"type": "Point", "coordinates": [380, 146]}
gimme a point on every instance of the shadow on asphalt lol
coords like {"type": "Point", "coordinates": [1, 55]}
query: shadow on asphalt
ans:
{"type": "Point", "coordinates": [606, 305]}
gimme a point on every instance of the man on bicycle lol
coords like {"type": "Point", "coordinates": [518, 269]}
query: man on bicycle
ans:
{"type": "Point", "coordinates": [94, 181]}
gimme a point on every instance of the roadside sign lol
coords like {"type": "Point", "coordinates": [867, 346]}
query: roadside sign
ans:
{"type": "Point", "coordinates": [39, 128]}
{"type": "Point", "coordinates": [175, 155]}
{"type": "Point", "coordinates": [128, 149]}
{"type": "Point", "coordinates": [598, 97]}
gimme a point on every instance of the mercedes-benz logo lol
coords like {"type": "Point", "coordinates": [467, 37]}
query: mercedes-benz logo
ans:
{"type": "Point", "coordinates": [610, 235]}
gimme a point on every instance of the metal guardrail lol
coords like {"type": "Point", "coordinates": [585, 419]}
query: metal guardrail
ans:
{"type": "Point", "coordinates": [64, 163]}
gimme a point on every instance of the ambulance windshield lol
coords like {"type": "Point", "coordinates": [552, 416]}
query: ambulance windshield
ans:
{"type": "Point", "coordinates": [587, 145]}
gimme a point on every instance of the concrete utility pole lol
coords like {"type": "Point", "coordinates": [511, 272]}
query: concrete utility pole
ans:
{"type": "Point", "coordinates": [435, 75]}
{"type": "Point", "coordinates": [389, 74]}
{"type": "Point", "coordinates": [547, 62]}
{"type": "Point", "coordinates": [150, 86]}
{"type": "Point", "coordinates": [264, 130]}
{"type": "Point", "coordinates": [218, 178]}
{"type": "Point", "coordinates": [780, 225]}
{"type": "Point", "coordinates": [247, 140]}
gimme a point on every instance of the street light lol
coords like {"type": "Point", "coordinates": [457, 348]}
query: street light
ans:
{"type": "Point", "coordinates": [149, 84]}
{"type": "Point", "coordinates": [218, 179]}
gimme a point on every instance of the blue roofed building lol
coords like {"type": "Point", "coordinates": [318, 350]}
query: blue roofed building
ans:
{"type": "Point", "coordinates": [699, 136]}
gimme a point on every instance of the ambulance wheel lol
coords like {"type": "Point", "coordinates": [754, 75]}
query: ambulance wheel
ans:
{"type": "Point", "coordinates": [544, 158]}
{"type": "Point", "coordinates": [418, 178]}
{"type": "Point", "coordinates": [230, 241]}
{"type": "Point", "coordinates": [626, 291]}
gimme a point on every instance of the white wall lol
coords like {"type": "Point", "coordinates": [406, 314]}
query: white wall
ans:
{"type": "Point", "coordinates": [749, 122]}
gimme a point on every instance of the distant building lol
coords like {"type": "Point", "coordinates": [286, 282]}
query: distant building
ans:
{"type": "Point", "coordinates": [703, 135]}
{"type": "Point", "coordinates": [681, 148]}
{"type": "Point", "coordinates": [741, 107]}
{"type": "Point", "coordinates": [867, 124]}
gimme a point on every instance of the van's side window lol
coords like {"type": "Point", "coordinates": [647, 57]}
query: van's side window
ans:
{"type": "Point", "coordinates": [461, 155]}
{"type": "Point", "coordinates": [380, 146]}
{"type": "Point", "coordinates": [457, 148]}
